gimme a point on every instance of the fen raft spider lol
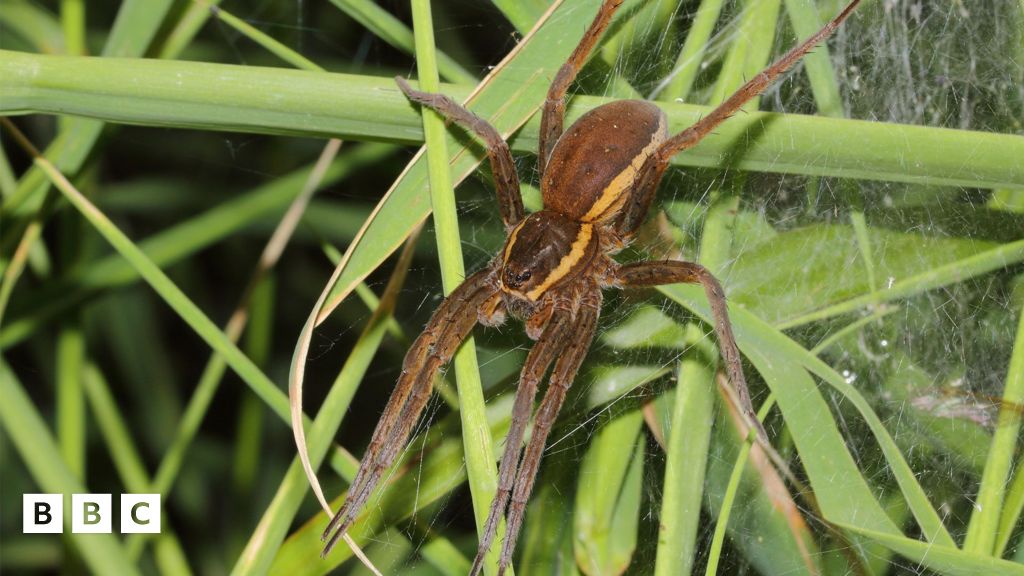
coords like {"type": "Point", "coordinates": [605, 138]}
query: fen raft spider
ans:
{"type": "Point", "coordinates": [597, 181]}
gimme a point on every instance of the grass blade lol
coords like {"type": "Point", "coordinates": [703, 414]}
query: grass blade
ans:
{"type": "Point", "coordinates": [984, 528]}
{"type": "Point", "coordinates": [693, 417]}
{"type": "Point", "coordinates": [277, 101]}
{"type": "Point", "coordinates": [824, 454]}
{"type": "Point", "coordinates": [101, 552]}
{"type": "Point", "coordinates": [395, 32]}
{"type": "Point", "coordinates": [476, 434]}
{"type": "Point", "coordinates": [607, 511]}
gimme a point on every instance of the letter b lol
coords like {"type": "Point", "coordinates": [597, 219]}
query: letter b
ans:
{"type": "Point", "coordinates": [90, 513]}
{"type": "Point", "coordinates": [42, 513]}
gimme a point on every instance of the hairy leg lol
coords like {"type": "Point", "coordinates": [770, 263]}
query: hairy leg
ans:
{"type": "Point", "coordinates": [561, 379]}
{"type": "Point", "coordinates": [649, 176]}
{"type": "Point", "coordinates": [553, 115]}
{"type": "Point", "coordinates": [674, 272]}
{"type": "Point", "coordinates": [506, 181]}
{"type": "Point", "coordinates": [551, 343]}
{"type": "Point", "coordinates": [448, 327]}
{"type": "Point", "coordinates": [755, 86]}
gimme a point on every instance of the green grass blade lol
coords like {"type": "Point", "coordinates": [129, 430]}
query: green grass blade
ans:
{"type": "Point", "coordinates": [1013, 505]}
{"type": "Point", "coordinates": [445, 557]}
{"type": "Point", "coordinates": [396, 33]}
{"type": "Point", "coordinates": [691, 57]}
{"type": "Point", "coordinates": [71, 398]}
{"type": "Point", "coordinates": [804, 17]}
{"type": "Point", "coordinates": [276, 101]}
{"type": "Point", "coordinates": [135, 27]}
{"type": "Point", "coordinates": [842, 491]}
{"type": "Point", "coordinates": [686, 459]}
{"type": "Point", "coordinates": [757, 30]}
{"type": "Point", "coordinates": [947, 560]}
{"type": "Point", "coordinates": [271, 45]}
{"type": "Point", "coordinates": [188, 25]}
{"type": "Point", "coordinates": [115, 431]}
{"type": "Point", "coordinates": [523, 14]}
{"type": "Point", "coordinates": [722, 521]}
{"type": "Point", "coordinates": [983, 530]}
{"type": "Point", "coordinates": [934, 277]}
{"type": "Point", "coordinates": [547, 541]}
{"type": "Point", "coordinates": [480, 465]}
{"type": "Point", "coordinates": [33, 441]}
{"type": "Point", "coordinates": [72, 19]}
{"type": "Point", "coordinates": [607, 510]}
{"type": "Point", "coordinates": [34, 24]}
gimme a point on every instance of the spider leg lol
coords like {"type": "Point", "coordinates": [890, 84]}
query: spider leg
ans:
{"type": "Point", "coordinates": [553, 114]}
{"type": "Point", "coordinates": [506, 181]}
{"type": "Point", "coordinates": [755, 86]}
{"type": "Point", "coordinates": [673, 272]}
{"type": "Point", "coordinates": [550, 344]}
{"type": "Point", "coordinates": [448, 327]}
{"type": "Point", "coordinates": [561, 379]}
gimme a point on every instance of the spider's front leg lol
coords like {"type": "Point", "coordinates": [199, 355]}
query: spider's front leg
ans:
{"type": "Point", "coordinates": [506, 181]}
{"type": "Point", "coordinates": [552, 117]}
{"type": "Point", "coordinates": [448, 327]}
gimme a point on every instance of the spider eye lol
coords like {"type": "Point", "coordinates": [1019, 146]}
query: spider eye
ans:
{"type": "Point", "coordinates": [515, 279]}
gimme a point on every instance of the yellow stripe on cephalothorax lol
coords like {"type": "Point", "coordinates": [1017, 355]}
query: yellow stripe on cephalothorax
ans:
{"type": "Point", "coordinates": [508, 250]}
{"type": "Point", "coordinates": [512, 239]}
{"type": "Point", "coordinates": [576, 253]}
{"type": "Point", "coordinates": [611, 197]}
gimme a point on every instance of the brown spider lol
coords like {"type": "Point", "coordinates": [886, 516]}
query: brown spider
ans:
{"type": "Point", "coordinates": [597, 181]}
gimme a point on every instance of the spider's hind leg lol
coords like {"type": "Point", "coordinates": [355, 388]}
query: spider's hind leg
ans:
{"type": "Point", "coordinates": [448, 327]}
{"type": "Point", "coordinates": [754, 87]}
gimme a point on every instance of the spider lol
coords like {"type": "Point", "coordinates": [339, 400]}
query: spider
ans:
{"type": "Point", "coordinates": [597, 181]}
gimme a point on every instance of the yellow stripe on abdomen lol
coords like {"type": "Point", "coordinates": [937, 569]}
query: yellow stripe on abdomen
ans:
{"type": "Point", "coordinates": [612, 197]}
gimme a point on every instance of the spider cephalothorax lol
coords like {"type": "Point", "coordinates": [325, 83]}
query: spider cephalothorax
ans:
{"type": "Point", "coordinates": [597, 180]}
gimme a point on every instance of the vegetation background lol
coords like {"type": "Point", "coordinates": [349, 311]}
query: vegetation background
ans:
{"type": "Point", "coordinates": [874, 270]}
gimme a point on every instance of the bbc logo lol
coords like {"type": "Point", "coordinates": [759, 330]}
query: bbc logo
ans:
{"type": "Point", "coordinates": [90, 513]}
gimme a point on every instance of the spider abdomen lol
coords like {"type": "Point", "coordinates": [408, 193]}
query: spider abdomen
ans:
{"type": "Point", "coordinates": [593, 167]}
